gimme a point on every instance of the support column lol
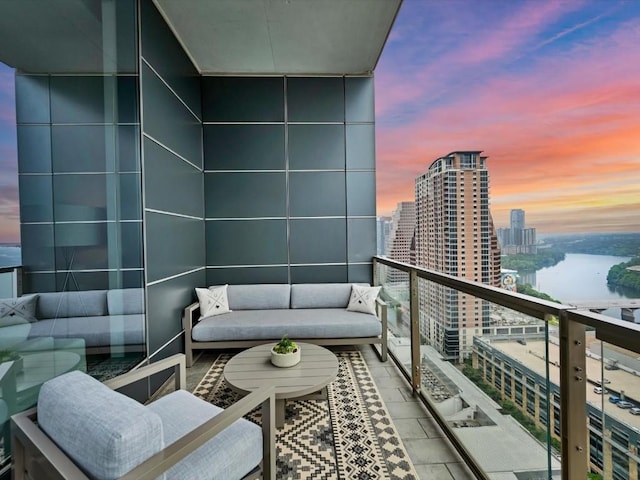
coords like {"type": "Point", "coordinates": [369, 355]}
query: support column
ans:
{"type": "Point", "coordinates": [607, 456]}
{"type": "Point", "coordinates": [415, 331]}
{"type": "Point", "coordinates": [633, 465]}
{"type": "Point", "coordinates": [573, 399]}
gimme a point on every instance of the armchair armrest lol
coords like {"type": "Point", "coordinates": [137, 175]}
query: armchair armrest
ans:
{"type": "Point", "coordinates": [165, 459]}
{"type": "Point", "coordinates": [381, 307]}
{"type": "Point", "coordinates": [177, 361]}
{"type": "Point", "coordinates": [189, 317]}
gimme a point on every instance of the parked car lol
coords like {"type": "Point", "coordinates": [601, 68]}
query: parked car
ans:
{"type": "Point", "coordinates": [614, 399]}
{"type": "Point", "coordinates": [635, 411]}
{"type": "Point", "coordinates": [624, 404]}
{"type": "Point", "coordinates": [600, 390]}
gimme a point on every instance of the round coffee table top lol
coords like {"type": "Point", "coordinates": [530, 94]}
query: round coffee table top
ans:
{"type": "Point", "coordinates": [252, 369]}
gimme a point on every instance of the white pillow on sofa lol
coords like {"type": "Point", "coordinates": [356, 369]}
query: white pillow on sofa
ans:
{"type": "Point", "coordinates": [363, 299]}
{"type": "Point", "coordinates": [213, 300]}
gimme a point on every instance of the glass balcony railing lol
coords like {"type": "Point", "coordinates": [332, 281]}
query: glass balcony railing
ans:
{"type": "Point", "coordinates": [10, 282]}
{"type": "Point", "coordinates": [518, 384]}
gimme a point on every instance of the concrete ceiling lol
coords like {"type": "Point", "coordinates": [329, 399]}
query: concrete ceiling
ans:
{"type": "Point", "coordinates": [220, 36]}
{"type": "Point", "coordinates": [281, 36]}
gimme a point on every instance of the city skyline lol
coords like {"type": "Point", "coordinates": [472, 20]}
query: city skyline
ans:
{"type": "Point", "coordinates": [547, 90]}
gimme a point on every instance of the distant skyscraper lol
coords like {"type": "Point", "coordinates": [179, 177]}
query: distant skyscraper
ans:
{"type": "Point", "coordinates": [455, 235]}
{"type": "Point", "coordinates": [383, 227]}
{"type": "Point", "coordinates": [517, 218]}
{"type": "Point", "coordinates": [517, 238]}
{"type": "Point", "coordinates": [403, 224]}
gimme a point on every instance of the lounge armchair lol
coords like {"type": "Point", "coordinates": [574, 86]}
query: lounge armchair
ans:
{"type": "Point", "coordinates": [82, 429]}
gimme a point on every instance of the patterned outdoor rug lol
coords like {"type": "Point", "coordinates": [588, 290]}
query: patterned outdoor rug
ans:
{"type": "Point", "coordinates": [349, 435]}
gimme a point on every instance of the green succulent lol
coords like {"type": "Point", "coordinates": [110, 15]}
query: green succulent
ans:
{"type": "Point", "coordinates": [8, 355]}
{"type": "Point", "coordinates": [285, 345]}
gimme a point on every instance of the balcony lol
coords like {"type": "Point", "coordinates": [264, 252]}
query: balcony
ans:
{"type": "Point", "coordinates": [537, 379]}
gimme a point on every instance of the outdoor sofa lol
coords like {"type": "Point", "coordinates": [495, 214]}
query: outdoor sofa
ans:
{"type": "Point", "coordinates": [255, 314]}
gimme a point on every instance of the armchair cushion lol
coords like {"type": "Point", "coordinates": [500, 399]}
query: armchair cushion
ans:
{"type": "Point", "coordinates": [104, 432]}
{"type": "Point", "coordinates": [231, 454]}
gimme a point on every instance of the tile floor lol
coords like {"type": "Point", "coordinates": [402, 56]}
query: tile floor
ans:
{"type": "Point", "coordinates": [432, 455]}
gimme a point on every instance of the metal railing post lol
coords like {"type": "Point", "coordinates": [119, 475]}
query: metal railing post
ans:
{"type": "Point", "coordinates": [415, 331]}
{"type": "Point", "coordinates": [573, 399]}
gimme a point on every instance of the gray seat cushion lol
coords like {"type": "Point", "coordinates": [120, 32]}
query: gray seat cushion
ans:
{"type": "Point", "coordinates": [299, 323]}
{"type": "Point", "coordinates": [106, 433]}
{"type": "Point", "coordinates": [229, 455]}
{"type": "Point", "coordinates": [96, 331]}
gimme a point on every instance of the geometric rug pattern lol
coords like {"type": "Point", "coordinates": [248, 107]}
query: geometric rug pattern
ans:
{"type": "Point", "coordinates": [348, 435]}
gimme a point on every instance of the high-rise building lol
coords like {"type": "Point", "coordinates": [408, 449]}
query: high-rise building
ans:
{"type": "Point", "coordinates": [403, 224]}
{"type": "Point", "coordinates": [517, 238]}
{"type": "Point", "coordinates": [455, 235]}
{"type": "Point", "coordinates": [383, 227]}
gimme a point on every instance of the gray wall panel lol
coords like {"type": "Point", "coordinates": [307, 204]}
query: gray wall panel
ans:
{"type": "Point", "coordinates": [168, 121]}
{"type": "Point", "coordinates": [317, 194]}
{"type": "Point", "coordinates": [175, 245]}
{"type": "Point", "coordinates": [315, 99]}
{"type": "Point", "coordinates": [32, 95]}
{"type": "Point", "coordinates": [318, 240]}
{"type": "Point", "coordinates": [319, 274]}
{"type": "Point", "coordinates": [316, 147]}
{"type": "Point", "coordinates": [245, 275]}
{"type": "Point", "coordinates": [243, 99]}
{"type": "Point", "coordinates": [38, 205]}
{"type": "Point", "coordinates": [166, 301]}
{"type": "Point", "coordinates": [361, 239]}
{"type": "Point", "coordinates": [244, 147]}
{"type": "Point", "coordinates": [246, 242]}
{"type": "Point", "coordinates": [171, 184]}
{"type": "Point", "coordinates": [359, 105]}
{"type": "Point", "coordinates": [34, 148]}
{"type": "Point", "coordinates": [361, 147]}
{"type": "Point", "coordinates": [361, 193]}
{"type": "Point", "coordinates": [245, 195]}
{"type": "Point", "coordinates": [360, 273]}
{"type": "Point", "coordinates": [161, 50]}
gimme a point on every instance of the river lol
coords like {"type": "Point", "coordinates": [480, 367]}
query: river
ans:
{"type": "Point", "coordinates": [580, 277]}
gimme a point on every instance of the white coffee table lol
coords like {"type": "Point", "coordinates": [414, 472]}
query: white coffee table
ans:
{"type": "Point", "coordinates": [252, 369]}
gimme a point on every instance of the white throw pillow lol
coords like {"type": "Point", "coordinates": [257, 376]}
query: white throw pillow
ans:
{"type": "Point", "coordinates": [363, 299]}
{"type": "Point", "coordinates": [213, 300]}
{"type": "Point", "coordinates": [18, 310]}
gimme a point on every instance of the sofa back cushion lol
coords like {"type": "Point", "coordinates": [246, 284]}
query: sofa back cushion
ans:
{"type": "Point", "coordinates": [259, 296]}
{"type": "Point", "coordinates": [105, 433]}
{"type": "Point", "coordinates": [126, 301]}
{"type": "Point", "coordinates": [320, 295]}
{"type": "Point", "coordinates": [90, 303]}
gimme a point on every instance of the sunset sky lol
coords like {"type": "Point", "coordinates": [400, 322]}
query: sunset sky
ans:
{"type": "Point", "coordinates": [549, 90]}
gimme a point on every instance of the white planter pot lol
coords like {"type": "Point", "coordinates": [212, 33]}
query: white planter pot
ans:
{"type": "Point", "coordinates": [285, 359]}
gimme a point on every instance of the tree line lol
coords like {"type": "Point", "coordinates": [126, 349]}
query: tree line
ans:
{"type": "Point", "coordinates": [620, 276]}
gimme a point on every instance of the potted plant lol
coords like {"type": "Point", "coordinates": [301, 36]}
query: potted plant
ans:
{"type": "Point", "coordinates": [285, 353]}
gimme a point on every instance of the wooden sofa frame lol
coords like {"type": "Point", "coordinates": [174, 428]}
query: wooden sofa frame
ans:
{"type": "Point", "coordinates": [191, 317]}
{"type": "Point", "coordinates": [37, 457]}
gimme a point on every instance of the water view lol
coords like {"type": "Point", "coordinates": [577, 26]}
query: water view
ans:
{"type": "Point", "coordinates": [581, 277]}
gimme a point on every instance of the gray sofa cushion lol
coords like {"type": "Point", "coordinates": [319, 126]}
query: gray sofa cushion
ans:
{"type": "Point", "coordinates": [125, 301]}
{"type": "Point", "coordinates": [96, 331]}
{"type": "Point", "coordinates": [258, 297]}
{"type": "Point", "coordinates": [103, 431]}
{"type": "Point", "coordinates": [320, 295]}
{"type": "Point", "coordinates": [273, 324]}
{"type": "Point", "coordinates": [89, 303]}
{"type": "Point", "coordinates": [231, 454]}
